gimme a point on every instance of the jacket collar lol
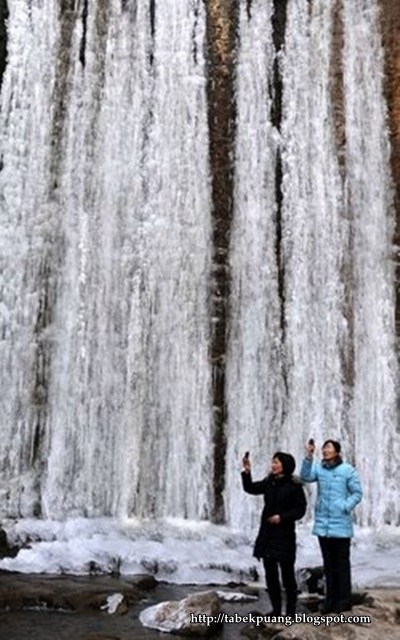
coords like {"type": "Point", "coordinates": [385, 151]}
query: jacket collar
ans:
{"type": "Point", "coordinates": [332, 464]}
{"type": "Point", "coordinates": [282, 478]}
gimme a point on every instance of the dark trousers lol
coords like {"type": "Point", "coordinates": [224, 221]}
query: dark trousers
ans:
{"type": "Point", "coordinates": [336, 557]}
{"type": "Point", "coordinates": [274, 586]}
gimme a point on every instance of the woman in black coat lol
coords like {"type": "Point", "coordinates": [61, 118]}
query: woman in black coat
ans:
{"type": "Point", "coordinates": [284, 503]}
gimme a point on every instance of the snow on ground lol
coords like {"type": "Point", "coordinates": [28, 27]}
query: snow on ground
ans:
{"type": "Point", "coordinates": [180, 552]}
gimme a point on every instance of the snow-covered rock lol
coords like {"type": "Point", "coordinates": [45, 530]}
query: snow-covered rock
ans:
{"type": "Point", "coordinates": [196, 615]}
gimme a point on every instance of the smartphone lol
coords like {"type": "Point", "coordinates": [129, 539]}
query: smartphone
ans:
{"type": "Point", "coordinates": [311, 442]}
{"type": "Point", "coordinates": [246, 455]}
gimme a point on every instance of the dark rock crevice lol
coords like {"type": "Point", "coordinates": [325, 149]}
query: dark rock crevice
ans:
{"type": "Point", "coordinates": [152, 16]}
{"type": "Point", "coordinates": [276, 90]}
{"type": "Point", "coordinates": [278, 37]}
{"type": "Point", "coordinates": [337, 90]}
{"type": "Point", "coordinates": [82, 49]}
{"type": "Point", "coordinates": [248, 8]}
{"type": "Point", "coordinates": [3, 38]}
{"type": "Point", "coordinates": [337, 83]}
{"type": "Point", "coordinates": [221, 34]}
{"type": "Point", "coordinates": [152, 11]}
{"type": "Point", "coordinates": [194, 31]}
{"type": "Point", "coordinates": [68, 17]}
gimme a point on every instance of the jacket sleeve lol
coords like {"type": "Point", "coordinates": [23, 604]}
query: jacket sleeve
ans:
{"type": "Point", "coordinates": [354, 489]}
{"type": "Point", "coordinates": [255, 488]}
{"type": "Point", "coordinates": [299, 508]}
{"type": "Point", "coordinates": [308, 471]}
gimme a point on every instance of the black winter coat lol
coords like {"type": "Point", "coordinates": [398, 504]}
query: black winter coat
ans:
{"type": "Point", "coordinates": [283, 496]}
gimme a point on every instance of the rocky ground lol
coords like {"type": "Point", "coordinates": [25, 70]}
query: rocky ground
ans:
{"type": "Point", "coordinates": [36, 607]}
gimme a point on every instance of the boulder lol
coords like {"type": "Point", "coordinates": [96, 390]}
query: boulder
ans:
{"type": "Point", "coordinates": [6, 551]}
{"type": "Point", "coordinates": [311, 580]}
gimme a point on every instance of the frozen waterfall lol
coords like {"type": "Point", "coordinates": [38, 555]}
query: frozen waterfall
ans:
{"type": "Point", "coordinates": [106, 257]}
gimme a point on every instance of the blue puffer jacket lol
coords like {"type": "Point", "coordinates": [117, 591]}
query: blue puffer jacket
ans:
{"type": "Point", "coordinates": [339, 491]}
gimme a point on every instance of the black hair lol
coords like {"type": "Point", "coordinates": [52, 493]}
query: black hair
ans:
{"type": "Point", "coordinates": [287, 461]}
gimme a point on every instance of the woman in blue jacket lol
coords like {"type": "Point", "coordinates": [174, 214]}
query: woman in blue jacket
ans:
{"type": "Point", "coordinates": [339, 491]}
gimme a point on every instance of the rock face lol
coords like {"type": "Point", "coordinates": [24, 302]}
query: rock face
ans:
{"type": "Point", "coordinates": [176, 617]}
{"type": "Point", "coordinates": [390, 20]}
{"type": "Point", "coordinates": [221, 27]}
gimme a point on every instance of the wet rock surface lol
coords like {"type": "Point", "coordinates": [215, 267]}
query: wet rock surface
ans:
{"type": "Point", "coordinates": [44, 607]}
{"type": "Point", "coordinates": [25, 602]}
{"type": "Point", "coordinates": [69, 593]}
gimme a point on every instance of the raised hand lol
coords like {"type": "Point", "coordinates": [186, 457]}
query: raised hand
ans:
{"type": "Point", "coordinates": [246, 463]}
{"type": "Point", "coordinates": [310, 448]}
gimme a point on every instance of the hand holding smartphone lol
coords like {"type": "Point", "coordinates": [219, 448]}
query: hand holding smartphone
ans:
{"type": "Point", "coordinates": [246, 462]}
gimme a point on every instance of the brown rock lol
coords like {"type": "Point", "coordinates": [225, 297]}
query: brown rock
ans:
{"type": "Point", "coordinates": [76, 593]}
{"type": "Point", "coordinates": [390, 21]}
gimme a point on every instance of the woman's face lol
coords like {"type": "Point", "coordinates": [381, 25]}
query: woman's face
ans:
{"type": "Point", "coordinates": [276, 467]}
{"type": "Point", "coordinates": [329, 452]}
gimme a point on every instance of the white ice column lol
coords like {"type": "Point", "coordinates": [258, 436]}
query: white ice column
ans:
{"type": "Point", "coordinates": [255, 387]}
{"type": "Point", "coordinates": [313, 232]}
{"type": "Point", "coordinates": [28, 232]}
{"type": "Point", "coordinates": [369, 193]}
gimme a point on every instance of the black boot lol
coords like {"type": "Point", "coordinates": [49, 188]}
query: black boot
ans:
{"type": "Point", "coordinates": [328, 607]}
{"type": "Point", "coordinates": [291, 601]}
{"type": "Point", "coordinates": [276, 603]}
